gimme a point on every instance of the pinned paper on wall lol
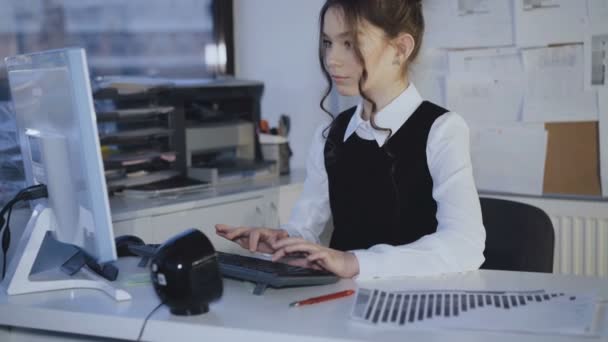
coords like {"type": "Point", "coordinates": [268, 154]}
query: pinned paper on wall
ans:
{"type": "Point", "coordinates": [555, 90]}
{"type": "Point", "coordinates": [478, 23]}
{"type": "Point", "coordinates": [495, 61]}
{"type": "Point", "coordinates": [596, 45]}
{"type": "Point", "coordinates": [428, 74]}
{"type": "Point", "coordinates": [603, 133]}
{"type": "Point", "coordinates": [485, 85]}
{"type": "Point", "coordinates": [598, 13]}
{"type": "Point", "coordinates": [509, 159]}
{"type": "Point", "coordinates": [545, 22]}
{"type": "Point", "coordinates": [484, 98]}
{"type": "Point", "coordinates": [596, 59]}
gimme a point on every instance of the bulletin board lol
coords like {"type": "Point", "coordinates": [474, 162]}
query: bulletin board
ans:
{"type": "Point", "coordinates": [530, 77]}
{"type": "Point", "coordinates": [572, 165]}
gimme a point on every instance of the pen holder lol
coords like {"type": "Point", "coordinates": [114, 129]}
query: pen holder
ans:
{"type": "Point", "coordinates": [276, 148]}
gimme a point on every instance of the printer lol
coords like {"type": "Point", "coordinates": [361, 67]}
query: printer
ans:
{"type": "Point", "coordinates": [221, 141]}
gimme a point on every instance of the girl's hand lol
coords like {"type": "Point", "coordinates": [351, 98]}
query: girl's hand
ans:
{"type": "Point", "coordinates": [343, 264]}
{"type": "Point", "coordinates": [253, 239]}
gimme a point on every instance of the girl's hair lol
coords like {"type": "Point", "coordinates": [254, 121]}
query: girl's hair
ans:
{"type": "Point", "coordinates": [394, 17]}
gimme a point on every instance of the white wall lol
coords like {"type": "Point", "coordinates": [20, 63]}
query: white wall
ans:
{"type": "Point", "coordinates": [276, 42]}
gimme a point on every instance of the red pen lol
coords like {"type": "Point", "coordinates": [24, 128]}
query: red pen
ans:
{"type": "Point", "coordinates": [320, 299]}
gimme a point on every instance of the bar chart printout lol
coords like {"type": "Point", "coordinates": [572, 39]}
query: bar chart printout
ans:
{"type": "Point", "coordinates": [517, 311]}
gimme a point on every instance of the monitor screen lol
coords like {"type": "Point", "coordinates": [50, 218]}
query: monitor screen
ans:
{"type": "Point", "coordinates": [57, 130]}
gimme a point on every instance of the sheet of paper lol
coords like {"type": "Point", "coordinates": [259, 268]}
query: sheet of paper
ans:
{"type": "Point", "coordinates": [603, 104]}
{"type": "Point", "coordinates": [596, 45]}
{"type": "Point", "coordinates": [509, 159]}
{"type": "Point", "coordinates": [484, 98]}
{"type": "Point", "coordinates": [596, 58]}
{"type": "Point", "coordinates": [555, 90]}
{"type": "Point", "coordinates": [472, 23]}
{"type": "Point", "coordinates": [495, 61]}
{"type": "Point", "coordinates": [537, 312]}
{"type": "Point", "coordinates": [544, 22]}
{"type": "Point", "coordinates": [598, 14]}
{"type": "Point", "coordinates": [485, 85]}
{"type": "Point", "coordinates": [428, 74]}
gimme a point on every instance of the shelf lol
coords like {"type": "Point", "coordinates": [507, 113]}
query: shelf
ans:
{"type": "Point", "coordinates": [148, 178]}
{"type": "Point", "coordinates": [138, 134]}
{"type": "Point", "coordinates": [134, 113]}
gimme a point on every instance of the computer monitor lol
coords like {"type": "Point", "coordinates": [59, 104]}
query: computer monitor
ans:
{"type": "Point", "coordinates": [56, 124]}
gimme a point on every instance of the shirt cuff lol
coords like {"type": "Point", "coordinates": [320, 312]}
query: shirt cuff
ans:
{"type": "Point", "coordinates": [290, 230]}
{"type": "Point", "coordinates": [368, 266]}
{"type": "Point", "coordinates": [297, 233]}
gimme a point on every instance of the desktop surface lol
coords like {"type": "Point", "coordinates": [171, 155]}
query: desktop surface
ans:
{"type": "Point", "coordinates": [240, 315]}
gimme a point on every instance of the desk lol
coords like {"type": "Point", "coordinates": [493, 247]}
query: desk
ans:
{"type": "Point", "coordinates": [240, 316]}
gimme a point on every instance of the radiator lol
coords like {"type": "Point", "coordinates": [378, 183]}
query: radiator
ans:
{"type": "Point", "coordinates": [581, 234]}
{"type": "Point", "coordinates": [581, 245]}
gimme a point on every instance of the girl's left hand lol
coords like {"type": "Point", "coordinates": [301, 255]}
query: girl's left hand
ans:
{"type": "Point", "coordinates": [343, 264]}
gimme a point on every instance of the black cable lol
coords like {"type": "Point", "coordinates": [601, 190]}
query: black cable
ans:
{"type": "Point", "coordinates": [5, 229]}
{"type": "Point", "coordinates": [141, 331]}
{"type": "Point", "coordinates": [5, 209]}
{"type": "Point", "coordinates": [28, 194]}
{"type": "Point", "coordinates": [33, 192]}
{"type": "Point", "coordinates": [6, 241]}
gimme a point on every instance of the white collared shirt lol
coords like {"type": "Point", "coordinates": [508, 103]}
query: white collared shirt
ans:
{"type": "Point", "coordinates": [459, 241]}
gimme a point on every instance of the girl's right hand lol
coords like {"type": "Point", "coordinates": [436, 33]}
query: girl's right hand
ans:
{"type": "Point", "coordinates": [253, 239]}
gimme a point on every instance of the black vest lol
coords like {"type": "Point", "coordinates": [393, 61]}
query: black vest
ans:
{"type": "Point", "coordinates": [381, 194]}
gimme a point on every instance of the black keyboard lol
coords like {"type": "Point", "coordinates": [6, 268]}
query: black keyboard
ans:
{"type": "Point", "coordinates": [262, 272]}
{"type": "Point", "coordinates": [267, 273]}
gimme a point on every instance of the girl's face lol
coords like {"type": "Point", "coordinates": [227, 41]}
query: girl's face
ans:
{"type": "Point", "coordinates": [341, 61]}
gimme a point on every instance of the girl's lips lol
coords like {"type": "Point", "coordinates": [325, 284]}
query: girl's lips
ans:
{"type": "Point", "coordinates": [339, 78]}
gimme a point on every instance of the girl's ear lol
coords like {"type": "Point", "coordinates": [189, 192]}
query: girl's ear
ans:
{"type": "Point", "coordinates": [405, 44]}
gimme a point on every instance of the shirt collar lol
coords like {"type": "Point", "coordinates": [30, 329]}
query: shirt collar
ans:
{"type": "Point", "coordinates": [393, 116]}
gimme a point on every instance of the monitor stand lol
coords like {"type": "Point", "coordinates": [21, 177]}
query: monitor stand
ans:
{"type": "Point", "coordinates": [18, 280]}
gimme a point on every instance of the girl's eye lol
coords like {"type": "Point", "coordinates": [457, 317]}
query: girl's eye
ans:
{"type": "Point", "coordinates": [348, 44]}
{"type": "Point", "coordinates": [326, 43]}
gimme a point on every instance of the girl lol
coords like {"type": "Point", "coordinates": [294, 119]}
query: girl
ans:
{"type": "Point", "coordinates": [394, 172]}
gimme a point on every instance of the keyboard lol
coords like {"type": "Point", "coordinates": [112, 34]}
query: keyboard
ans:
{"type": "Point", "coordinates": [262, 272]}
{"type": "Point", "coordinates": [267, 273]}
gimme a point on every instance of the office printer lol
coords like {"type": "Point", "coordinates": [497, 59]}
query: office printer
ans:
{"type": "Point", "coordinates": [221, 141]}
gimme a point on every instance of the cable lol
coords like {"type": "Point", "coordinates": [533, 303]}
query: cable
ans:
{"type": "Point", "coordinates": [6, 241]}
{"type": "Point", "coordinates": [5, 227]}
{"type": "Point", "coordinates": [5, 209]}
{"type": "Point", "coordinates": [33, 192]}
{"type": "Point", "coordinates": [141, 331]}
{"type": "Point", "coordinates": [28, 194]}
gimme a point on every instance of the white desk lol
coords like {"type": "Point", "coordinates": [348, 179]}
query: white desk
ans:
{"type": "Point", "coordinates": [240, 316]}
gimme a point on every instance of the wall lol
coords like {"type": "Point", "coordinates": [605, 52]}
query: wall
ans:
{"type": "Point", "coordinates": [276, 41]}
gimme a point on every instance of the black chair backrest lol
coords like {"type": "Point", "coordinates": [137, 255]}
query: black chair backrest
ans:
{"type": "Point", "coordinates": [519, 237]}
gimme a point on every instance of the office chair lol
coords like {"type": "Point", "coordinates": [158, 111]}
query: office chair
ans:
{"type": "Point", "coordinates": [519, 237]}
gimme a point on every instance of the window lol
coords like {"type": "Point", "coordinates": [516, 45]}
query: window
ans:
{"type": "Point", "coordinates": [166, 38]}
